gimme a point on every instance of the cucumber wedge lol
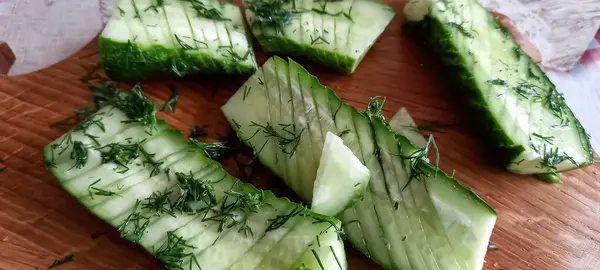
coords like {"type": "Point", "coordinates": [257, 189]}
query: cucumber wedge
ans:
{"type": "Point", "coordinates": [158, 190]}
{"type": "Point", "coordinates": [336, 34]}
{"type": "Point", "coordinates": [341, 178]}
{"type": "Point", "coordinates": [148, 39]}
{"type": "Point", "coordinates": [404, 124]}
{"type": "Point", "coordinates": [412, 215]}
{"type": "Point", "coordinates": [526, 117]}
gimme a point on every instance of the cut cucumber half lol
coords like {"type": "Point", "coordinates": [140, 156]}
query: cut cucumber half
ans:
{"type": "Point", "coordinates": [149, 39]}
{"type": "Point", "coordinates": [341, 178]}
{"type": "Point", "coordinates": [526, 117]}
{"type": "Point", "coordinates": [404, 124]}
{"type": "Point", "coordinates": [164, 193]}
{"type": "Point", "coordinates": [336, 34]}
{"type": "Point", "coordinates": [412, 215]}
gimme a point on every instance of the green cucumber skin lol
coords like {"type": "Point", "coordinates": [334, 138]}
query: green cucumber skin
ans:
{"type": "Point", "coordinates": [439, 39]}
{"type": "Point", "coordinates": [130, 61]}
{"type": "Point", "coordinates": [177, 137]}
{"type": "Point", "coordinates": [366, 237]}
{"type": "Point", "coordinates": [279, 44]}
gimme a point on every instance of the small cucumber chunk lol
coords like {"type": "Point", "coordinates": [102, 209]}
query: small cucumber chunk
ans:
{"type": "Point", "coordinates": [341, 178]}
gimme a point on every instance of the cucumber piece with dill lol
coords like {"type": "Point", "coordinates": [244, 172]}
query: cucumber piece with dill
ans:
{"type": "Point", "coordinates": [337, 34]}
{"type": "Point", "coordinates": [411, 216]}
{"type": "Point", "coordinates": [341, 178]}
{"type": "Point", "coordinates": [526, 117]}
{"type": "Point", "coordinates": [147, 39]}
{"type": "Point", "coordinates": [164, 193]}
{"type": "Point", "coordinates": [404, 124]}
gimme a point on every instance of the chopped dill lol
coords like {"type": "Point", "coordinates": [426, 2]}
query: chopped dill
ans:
{"type": "Point", "coordinates": [182, 44]}
{"type": "Point", "coordinates": [546, 139]}
{"type": "Point", "coordinates": [159, 204]}
{"type": "Point", "coordinates": [212, 149]}
{"type": "Point", "coordinates": [287, 142]}
{"type": "Point", "coordinates": [67, 259]}
{"type": "Point", "coordinates": [318, 40]}
{"type": "Point", "coordinates": [497, 82]}
{"type": "Point", "coordinates": [460, 29]}
{"type": "Point", "coordinates": [79, 153]}
{"type": "Point", "coordinates": [203, 11]}
{"type": "Point", "coordinates": [174, 251]}
{"type": "Point", "coordinates": [318, 259]}
{"type": "Point", "coordinates": [280, 220]}
{"type": "Point", "coordinates": [171, 104]}
{"type": "Point", "coordinates": [138, 222]}
{"type": "Point", "coordinates": [271, 13]}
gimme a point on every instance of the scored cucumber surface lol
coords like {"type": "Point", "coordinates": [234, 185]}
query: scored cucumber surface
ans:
{"type": "Point", "coordinates": [148, 39]}
{"type": "Point", "coordinates": [164, 193]}
{"type": "Point", "coordinates": [341, 178]}
{"type": "Point", "coordinates": [412, 216]}
{"type": "Point", "coordinates": [520, 108]}
{"type": "Point", "coordinates": [337, 34]}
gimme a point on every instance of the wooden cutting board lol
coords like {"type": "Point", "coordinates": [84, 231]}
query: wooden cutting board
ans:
{"type": "Point", "coordinates": [540, 226]}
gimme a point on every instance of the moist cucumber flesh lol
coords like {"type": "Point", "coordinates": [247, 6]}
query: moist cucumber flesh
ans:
{"type": "Point", "coordinates": [528, 119]}
{"type": "Point", "coordinates": [404, 124]}
{"type": "Point", "coordinates": [146, 39]}
{"type": "Point", "coordinates": [399, 224]}
{"type": "Point", "coordinates": [341, 178]}
{"type": "Point", "coordinates": [220, 223]}
{"type": "Point", "coordinates": [455, 215]}
{"type": "Point", "coordinates": [337, 34]}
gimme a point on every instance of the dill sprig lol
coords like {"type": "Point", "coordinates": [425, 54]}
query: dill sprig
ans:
{"type": "Point", "coordinates": [120, 154]}
{"type": "Point", "coordinates": [323, 11]}
{"type": "Point", "coordinates": [287, 140]}
{"type": "Point", "coordinates": [205, 12]}
{"type": "Point", "coordinates": [248, 202]}
{"type": "Point", "coordinates": [212, 149]}
{"type": "Point", "coordinates": [318, 40]}
{"type": "Point", "coordinates": [546, 139]}
{"type": "Point", "coordinates": [100, 192]}
{"type": "Point", "coordinates": [171, 104]}
{"type": "Point", "coordinates": [182, 43]}
{"type": "Point", "coordinates": [460, 29]}
{"type": "Point", "coordinates": [159, 203]}
{"type": "Point", "coordinates": [551, 158]}
{"type": "Point", "coordinates": [138, 222]}
{"type": "Point", "coordinates": [280, 220]}
{"type": "Point", "coordinates": [432, 126]}
{"type": "Point", "coordinates": [318, 259]}
{"type": "Point", "coordinates": [233, 54]}
{"type": "Point", "coordinates": [174, 251]}
{"type": "Point", "coordinates": [67, 259]}
{"type": "Point", "coordinates": [137, 107]}
{"type": "Point", "coordinates": [193, 190]}
{"type": "Point", "coordinates": [79, 153]}
{"type": "Point", "coordinates": [497, 82]}
{"type": "Point", "coordinates": [271, 13]}
{"type": "Point", "coordinates": [375, 109]}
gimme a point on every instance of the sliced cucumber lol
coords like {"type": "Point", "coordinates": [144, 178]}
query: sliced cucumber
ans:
{"type": "Point", "coordinates": [337, 34]}
{"type": "Point", "coordinates": [165, 194]}
{"type": "Point", "coordinates": [404, 124]}
{"type": "Point", "coordinates": [412, 216]}
{"type": "Point", "coordinates": [341, 178]}
{"type": "Point", "coordinates": [146, 39]}
{"type": "Point", "coordinates": [525, 115]}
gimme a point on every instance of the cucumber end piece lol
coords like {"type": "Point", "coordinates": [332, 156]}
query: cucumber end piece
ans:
{"type": "Point", "coordinates": [341, 178]}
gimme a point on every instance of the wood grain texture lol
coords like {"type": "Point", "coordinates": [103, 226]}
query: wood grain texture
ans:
{"type": "Point", "coordinates": [540, 226]}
